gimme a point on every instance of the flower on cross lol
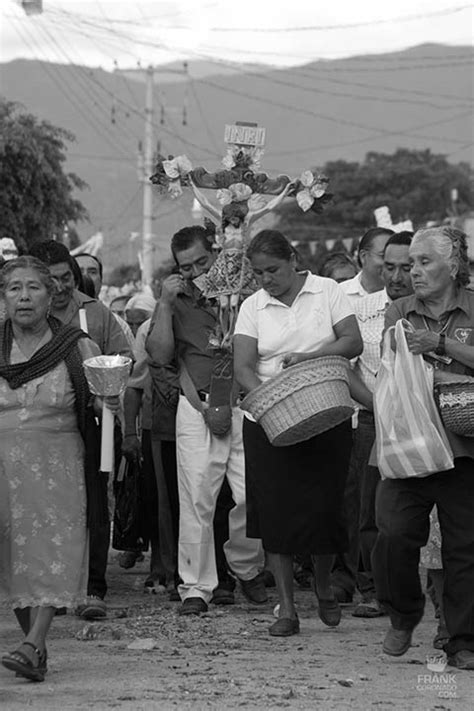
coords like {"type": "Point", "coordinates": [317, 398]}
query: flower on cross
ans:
{"type": "Point", "coordinates": [313, 188]}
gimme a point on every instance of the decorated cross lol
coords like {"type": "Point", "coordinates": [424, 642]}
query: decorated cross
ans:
{"type": "Point", "coordinates": [242, 191]}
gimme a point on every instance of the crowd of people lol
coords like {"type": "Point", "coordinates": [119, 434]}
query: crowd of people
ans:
{"type": "Point", "coordinates": [223, 506]}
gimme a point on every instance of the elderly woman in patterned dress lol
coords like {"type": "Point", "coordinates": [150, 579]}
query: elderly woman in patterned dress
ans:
{"type": "Point", "coordinates": [44, 415]}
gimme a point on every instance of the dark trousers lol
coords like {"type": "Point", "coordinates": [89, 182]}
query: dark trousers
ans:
{"type": "Point", "coordinates": [403, 507]}
{"type": "Point", "coordinates": [99, 539]}
{"type": "Point", "coordinates": [224, 504]}
{"type": "Point", "coordinates": [99, 536]}
{"type": "Point", "coordinates": [346, 565]}
{"type": "Point", "coordinates": [369, 477]}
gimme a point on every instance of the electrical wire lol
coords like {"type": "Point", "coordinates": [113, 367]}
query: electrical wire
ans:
{"type": "Point", "coordinates": [219, 61]}
{"type": "Point", "coordinates": [82, 77]}
{"type": "Point", "coordinates": [210, 135]}
{"type": "Point", "coordinates": [400, 90]}
{"type": "Point", "coordinates": [349, 25]}
{"type": "Point", "coordinates": [70, 95]}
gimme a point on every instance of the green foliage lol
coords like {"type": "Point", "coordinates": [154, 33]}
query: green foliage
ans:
{"type": "Point", "coordinates": [413, 184]}
{"type": "Point", "coordinates": [124, 274]}
{"type": "Point", "coordinates": [36, 194]}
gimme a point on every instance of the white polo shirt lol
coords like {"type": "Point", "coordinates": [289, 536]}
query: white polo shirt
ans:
{"type": "Point", "coordinates": [353, 288]}
{"type": "Point", "coordinates": [370, 312]}
{"type": "Point", "coordinates": [303, 327]}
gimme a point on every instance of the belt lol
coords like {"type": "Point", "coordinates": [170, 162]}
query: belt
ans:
{"type": "Point", "coordinates": [202, 394]}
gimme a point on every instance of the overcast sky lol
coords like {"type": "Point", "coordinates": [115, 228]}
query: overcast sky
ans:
{"type": "Point", "coordinates": [280, 32]}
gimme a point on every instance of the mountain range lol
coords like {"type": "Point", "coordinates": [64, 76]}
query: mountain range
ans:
{"type": "Point", "coordinates": [324, 110]}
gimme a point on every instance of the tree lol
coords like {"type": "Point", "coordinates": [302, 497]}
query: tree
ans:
{"type": "Point", "coordinates": [124, 274]}
{"type": "Point", "coordinates": [414, 185]}
{"type": "Point", "coordinates": [36, 194]}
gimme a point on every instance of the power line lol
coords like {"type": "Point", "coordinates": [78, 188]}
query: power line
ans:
{"type": "Point", "coordinates": [347, 25]}
{"type": "Point", "coordinates": [84, 87]}
{"type": "Point", "coordinates": [204, 120]}
{"type": "Point", "coordinates": [69, 94]}
{"type": "Point", "coordinates": [174, 133]}
{"type": "Point", "coordinates": [309, 112]}
{"type": "Point", "coordinates": [356, 141]}
{"type": "Point", "coordinates": [400, 90]}
{"type": "Point", "coordinates": [345, 94]}
{"type": "Point", "coordinates": [83, 81]}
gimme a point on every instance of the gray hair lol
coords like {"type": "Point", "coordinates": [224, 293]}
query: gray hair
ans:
{"type": "Point", "coordinates": [27, 262]}
{"type": "Point", "coordinates": [451, 244]}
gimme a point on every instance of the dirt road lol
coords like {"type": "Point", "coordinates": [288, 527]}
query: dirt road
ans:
{"type": "Point", "coordinates": [227, 660]}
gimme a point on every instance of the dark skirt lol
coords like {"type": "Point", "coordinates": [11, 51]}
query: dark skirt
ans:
{"type": "Point", "coordinates": [295, 494]}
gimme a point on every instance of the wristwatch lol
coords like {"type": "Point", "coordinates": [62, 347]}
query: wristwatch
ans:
{"type": "Point", "coordinates": [441, 347]}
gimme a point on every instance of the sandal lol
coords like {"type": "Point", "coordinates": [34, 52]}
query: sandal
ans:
{"type": "Point", "coordinates": [20, 663]}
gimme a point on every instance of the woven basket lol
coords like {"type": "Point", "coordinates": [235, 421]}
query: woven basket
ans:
{"type": "Point", "coordinates": [456, 405]}
{"type": "Point", "coordinates": [302, 401]}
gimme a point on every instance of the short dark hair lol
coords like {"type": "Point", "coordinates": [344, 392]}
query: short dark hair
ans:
{"type": "Point", "coordinates": [368, 238]}
{"type": "Point", "coordinates": [51, 252]}
{"type": "Point", "coordinates": [403, 238]}
{"type": "Point", "coordinates": [335, 260]}
{"type": "Point", "coordinates": [187, 237]}
{"type": "Point", "coordinates": [273, 243]}
{"type": "Point", "coordinates": [92, 256]}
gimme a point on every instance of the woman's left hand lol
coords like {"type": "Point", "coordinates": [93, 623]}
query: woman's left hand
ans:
{"type": "Point", "coordinates": [292, 359]}
{"type": "Point", "coordinates": [112, 402]}
{"type": "Point", "coordinates": [421, 341]}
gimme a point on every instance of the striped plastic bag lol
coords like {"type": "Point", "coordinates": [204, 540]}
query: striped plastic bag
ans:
{"type": "Point", "coordinates": [410, 437]}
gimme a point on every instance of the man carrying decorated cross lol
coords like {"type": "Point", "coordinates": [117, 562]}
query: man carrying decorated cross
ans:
{"type": "Point", "coordinates": [208, 428]}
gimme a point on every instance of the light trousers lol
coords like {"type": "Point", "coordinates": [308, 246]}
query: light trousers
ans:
{"type": "Point", "coordinates": [203, 461]}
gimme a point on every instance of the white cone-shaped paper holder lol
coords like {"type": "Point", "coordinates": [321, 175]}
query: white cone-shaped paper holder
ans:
{"type": "Point", "coordinates": [107, 375]}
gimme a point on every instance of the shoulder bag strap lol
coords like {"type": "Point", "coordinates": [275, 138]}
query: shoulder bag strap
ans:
{"type": "Point", "coordinates": [189, 389]}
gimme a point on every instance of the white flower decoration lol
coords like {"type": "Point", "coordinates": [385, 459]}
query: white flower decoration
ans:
{"type": "Point", "coordinates": [238, 192]}
{"type": "Point", "coordinates": [307, 178]}
{"type": "Point", "coordinates": [224, 196]}
{"type": "Point", "coordinates": [256, 202]}
{"type": "Point", "coordinates": [304, 200]}
{"type": "Point", "coordinates": [257, 157]}
{"type": "Point", "coordinates": [177, 167]}
{"type": "Point", "coordinates": [228, 161]}
{"type": "Point", "coordinates": [314, 188]}
{"type": "Point", "coordinates": [175, 190]}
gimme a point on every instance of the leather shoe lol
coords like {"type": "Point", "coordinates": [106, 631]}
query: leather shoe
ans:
{"type": "Point", "coordinates": [254, 590]}
{"type": "Point", "coordinates": [464, 659]}
{"type": "Point", "coordinates": [329, 611]}
{"type": "Point", "coordinates": [285, 627]}
{"type": "Point", "coordinates": [223, 596]}
{"type": "Point", "coordinates": [441, 637]}
{"type": "Point", "coordinates": [342, 596]}
{"type": "Point", "coordinates": [397, 642]}
{"type": "Point", "coordinates": [92, 609]}
{"type": "Point", "coordinates": [193, 606]}
{"type": "Point", "coordinates": [368, 608]}
{"type": "Point", "coordinates": [267, 578]}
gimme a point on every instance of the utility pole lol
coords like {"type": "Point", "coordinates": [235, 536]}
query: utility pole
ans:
{"type": "Point", "coordinates": [147, 225]}
{"type": "Point", "coordinates": [145, 169]}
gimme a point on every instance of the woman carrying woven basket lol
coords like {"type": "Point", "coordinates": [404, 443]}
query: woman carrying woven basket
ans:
{"type": "Point", "coordinates": [442, 313]}
{"type": "Point", "coordinates": [294, 493]}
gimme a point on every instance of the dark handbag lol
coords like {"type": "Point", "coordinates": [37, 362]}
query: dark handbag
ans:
{"type": "Point", "coordinates": [218, 419]}
{"type": "Point", "coordinates": [129, 531]}
{"type": "Point", "coordinates": [217, 412]}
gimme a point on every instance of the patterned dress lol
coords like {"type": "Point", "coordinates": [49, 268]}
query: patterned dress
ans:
{"type": "Point", "coordinates": [43, 536]}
